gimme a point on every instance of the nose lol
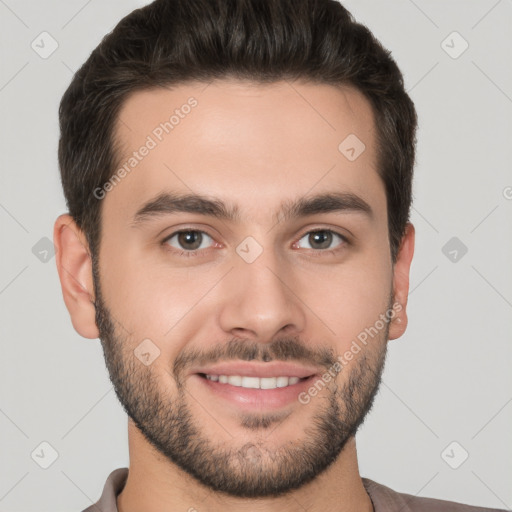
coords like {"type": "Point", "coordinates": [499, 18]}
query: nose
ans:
{"type": "Point", "coordinates": [258, 300]}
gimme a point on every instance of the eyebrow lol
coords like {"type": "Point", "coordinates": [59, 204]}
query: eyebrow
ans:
{"type": "Point", "coordinates": [169, 203]}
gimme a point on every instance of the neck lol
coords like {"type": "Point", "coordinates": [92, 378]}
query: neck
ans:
{"type": "Point", "coordinates": [155, 484]}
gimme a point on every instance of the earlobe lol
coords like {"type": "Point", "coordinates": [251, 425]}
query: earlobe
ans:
{"type": "Point", "coordinates": [401, 283]}
{"type": "Point", "coordinates": [74, 266]}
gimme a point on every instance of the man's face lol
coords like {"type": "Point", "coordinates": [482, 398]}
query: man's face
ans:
{"type": "Point", "coordinates": [256, 290]}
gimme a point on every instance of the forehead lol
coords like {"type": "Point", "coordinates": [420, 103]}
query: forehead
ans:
{"type": "Point", "coordinates": [256, 143]}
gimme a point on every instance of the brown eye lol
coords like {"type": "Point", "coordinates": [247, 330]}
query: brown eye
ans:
{"type": "Point", "coordinates": [190, 240]}
{"type": "Point", "coordinates": [322, 239]}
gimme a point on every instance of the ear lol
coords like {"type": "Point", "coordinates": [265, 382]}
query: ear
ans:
{"type": "Point", "coordinates": [401, 283]}
{"type": "Point", "coordinates": [74, 266]}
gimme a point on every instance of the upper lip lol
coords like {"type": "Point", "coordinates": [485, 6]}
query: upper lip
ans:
{"type": "Point", "coordinates": [255, 369]}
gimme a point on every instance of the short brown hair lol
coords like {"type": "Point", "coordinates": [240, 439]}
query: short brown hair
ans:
{"type": "Point", "coordinates": [173, 41]}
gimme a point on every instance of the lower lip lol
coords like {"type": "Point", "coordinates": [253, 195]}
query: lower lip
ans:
{"type": "Point", "coordinates": [255, 398]}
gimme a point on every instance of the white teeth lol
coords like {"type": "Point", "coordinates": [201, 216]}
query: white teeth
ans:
{"type": "Point", "coordinates": [247, 382]}
{"type": "Point", "coordinates": [254, 382]}
{"type": "Point", "coordinates": [235, 380]}
{"type": "Point", "coordinates": [281, 382]}
{"type": "Point", "coordinates": [268, 382]}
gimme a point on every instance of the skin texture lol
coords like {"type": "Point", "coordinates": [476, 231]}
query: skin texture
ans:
{"type": "Point", "coordinates": [254, 146]}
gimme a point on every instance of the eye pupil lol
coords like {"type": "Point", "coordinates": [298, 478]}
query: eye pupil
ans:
{"type": "Point", "coordinates": [190, 237]}
{"type": "Point", "coordinates": [324, 238]}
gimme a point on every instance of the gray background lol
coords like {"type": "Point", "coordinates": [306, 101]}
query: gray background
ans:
{"type": "Point", "coordinates": [447, 379]}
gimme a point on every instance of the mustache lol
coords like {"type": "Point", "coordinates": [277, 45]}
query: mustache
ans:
{"type": "Point", "coordinates": [236, 349]}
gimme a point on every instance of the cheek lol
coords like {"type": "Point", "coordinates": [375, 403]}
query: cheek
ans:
{"type": "Point", "coordinates": [351, 299]}
{"type": "Point", "coordinates": [151, 298]}
{"type": "Point", "coordinates": [135, 293]}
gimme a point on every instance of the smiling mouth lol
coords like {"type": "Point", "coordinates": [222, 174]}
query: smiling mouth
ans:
{"type": "Point", "coordinates": [251, 382]}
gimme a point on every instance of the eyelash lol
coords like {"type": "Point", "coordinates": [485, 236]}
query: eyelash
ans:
{"type": "Point", "coordinates": [197, 252]}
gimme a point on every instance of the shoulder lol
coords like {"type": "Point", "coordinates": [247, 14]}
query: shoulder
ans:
{"type": "Point", "coordinates": [386, 500]}
{"type": "Point", "coordinates": [113, 486]}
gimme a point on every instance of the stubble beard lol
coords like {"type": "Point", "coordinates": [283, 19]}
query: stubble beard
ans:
{"type": "Point", "coordinates": [253, 470]}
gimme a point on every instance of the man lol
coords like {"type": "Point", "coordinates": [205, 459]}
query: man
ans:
{"type": "Point", "coordinates": [238, 177]}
